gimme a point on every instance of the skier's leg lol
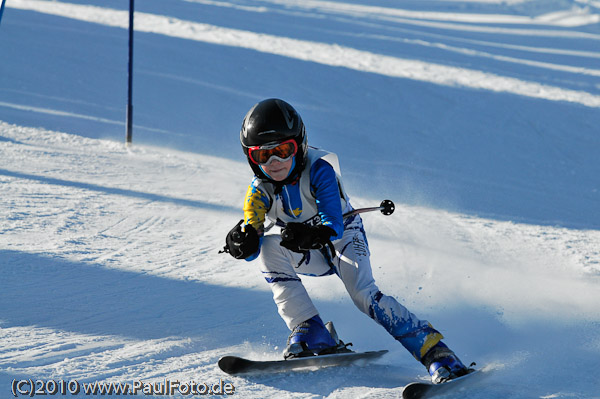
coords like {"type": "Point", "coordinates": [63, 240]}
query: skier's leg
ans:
{"type": "Point", "coordinates": [290, 296]}
{"type": "Point", "coordinates": [354, 268]}
{"type": "Point", "coordinates": [418, 336]}
{"type": "Point", "coordinates": [280, 269]}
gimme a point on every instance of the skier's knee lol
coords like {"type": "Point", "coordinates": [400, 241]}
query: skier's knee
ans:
{"type": "Point", "coordinates": [364, 298]}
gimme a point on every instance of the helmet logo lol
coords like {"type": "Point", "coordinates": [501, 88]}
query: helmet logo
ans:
{"type": "Point", "coordinates": [289, 119]}
{"type": "Point", "coordinates": [266, 132]}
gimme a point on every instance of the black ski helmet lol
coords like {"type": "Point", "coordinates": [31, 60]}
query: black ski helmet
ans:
{"type": "Point", "coordinates": [273, 121]}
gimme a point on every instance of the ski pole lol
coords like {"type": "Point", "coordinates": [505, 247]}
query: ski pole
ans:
{"type": "Point", "coordinates": [386, 207]}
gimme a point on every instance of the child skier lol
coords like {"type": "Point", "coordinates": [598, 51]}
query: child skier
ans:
{"type": "Point", "coordinates": [300, 188]}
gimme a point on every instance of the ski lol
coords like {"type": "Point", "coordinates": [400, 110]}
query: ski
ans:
{"type": "Point", "coordinates": [237, 365]}
{"type": "Point", "coordinates": [418, 390]}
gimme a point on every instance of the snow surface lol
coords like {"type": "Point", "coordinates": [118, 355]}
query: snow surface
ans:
{"type": "Point", "coordinates": [478, 118]}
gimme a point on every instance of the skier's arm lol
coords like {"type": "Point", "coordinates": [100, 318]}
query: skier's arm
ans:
{"type": "Point", "coordinates": [256, 205]}
{"type": "Point", "coordinates": [324, 186]}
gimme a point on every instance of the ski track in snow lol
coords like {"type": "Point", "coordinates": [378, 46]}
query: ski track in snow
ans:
{"type": "Point", "coordinates": [108, 254]}
{"type": "Point", "coordinates": [330, 54]}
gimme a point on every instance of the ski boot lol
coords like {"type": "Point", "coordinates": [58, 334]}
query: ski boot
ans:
{"type": "Point", "coordinates": [312, 338]}
{"type": "Point", "coordinates": [443, 364]}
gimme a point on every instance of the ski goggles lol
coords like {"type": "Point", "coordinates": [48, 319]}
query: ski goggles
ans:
{"type": "Point", "coordinates": [262, 155]}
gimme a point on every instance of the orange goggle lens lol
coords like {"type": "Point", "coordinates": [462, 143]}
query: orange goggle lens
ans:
{"type": "Point", "coordinates": [282, 151]}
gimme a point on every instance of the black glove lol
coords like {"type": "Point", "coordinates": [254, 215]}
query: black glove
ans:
{"type": "Point", "coordinates": [241, 244]}
{"type": "Point", "coordinates": [300, 237]}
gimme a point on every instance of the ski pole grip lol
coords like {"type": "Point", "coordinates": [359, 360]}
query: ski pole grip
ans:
{"type": "Point", "coordinates": [238, 235]}
{"type": "Point", "coordinates": [287, 235]}
{"type": "Point", "coordinates": [387, 207]}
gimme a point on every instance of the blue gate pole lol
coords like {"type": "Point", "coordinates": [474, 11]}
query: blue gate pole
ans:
{"type": "Point", "coordinates": [130, 78]}
{"type": "Point", "coordinates": [2, 10]}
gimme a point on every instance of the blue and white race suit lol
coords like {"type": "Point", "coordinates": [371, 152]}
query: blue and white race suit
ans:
{"type": "Point", "coordinates": [318, 197]}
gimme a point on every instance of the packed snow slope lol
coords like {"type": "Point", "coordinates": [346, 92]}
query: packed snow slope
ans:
{"type": "Point", "coordinates": [478, 118]}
